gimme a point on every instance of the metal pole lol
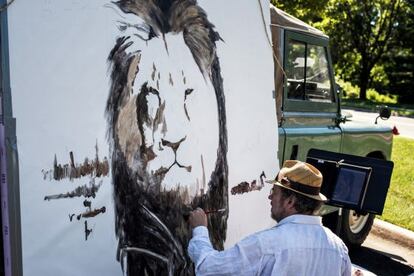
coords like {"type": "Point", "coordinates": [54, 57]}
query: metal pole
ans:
{"type": "Point", "coordinates": [9, 167]}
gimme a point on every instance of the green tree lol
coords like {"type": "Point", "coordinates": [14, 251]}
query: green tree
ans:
{"type": "Point", "coordinates": [361, 32]}
{"type": "Point", "coordinates": [309, 11]}
{"type": "Point", "coordinates": [398, 62]}
{"type": "Point", "coordinates": [372, 42]}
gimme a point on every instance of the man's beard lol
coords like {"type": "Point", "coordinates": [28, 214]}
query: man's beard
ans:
{"type": "Point", "coordinates": [273, 216]}
{"type": "Point", "coordinates": [279, 216]}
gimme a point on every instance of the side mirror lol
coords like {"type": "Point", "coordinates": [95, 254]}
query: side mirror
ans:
{"type": "Point", "coordinates": [338, 90]}
{"type": "Point", "coordinates": [384, 113]}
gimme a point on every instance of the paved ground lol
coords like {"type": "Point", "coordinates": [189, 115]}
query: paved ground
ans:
{"type": "Point", "coordinates": [391, 248]}
{"type": "Point", "coordinates": [404, 125]}
{"type": "Point", "coordinates": [383, 257]}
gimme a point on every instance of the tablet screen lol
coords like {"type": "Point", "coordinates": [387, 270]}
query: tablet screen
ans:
{"type": "Point", "coordinates": [349, 186]}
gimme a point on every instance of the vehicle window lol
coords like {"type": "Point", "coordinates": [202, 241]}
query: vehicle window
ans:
{"type": "Point", "coordinates": [295, 70]}
{"type": "Point", "coordinates": [308, 72]}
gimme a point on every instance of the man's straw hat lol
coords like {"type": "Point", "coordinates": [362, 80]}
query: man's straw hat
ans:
{"type": "Point", "coordinates": [300, 177]}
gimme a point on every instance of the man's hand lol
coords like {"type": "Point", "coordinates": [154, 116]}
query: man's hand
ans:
{"type": "Point", "coordinates": [197, 218]}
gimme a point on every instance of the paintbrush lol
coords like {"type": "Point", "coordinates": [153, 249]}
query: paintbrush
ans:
{"type": "Point", "coordinates": [186, 215]}
{"type": "Point", "coordinates": [215, 211]}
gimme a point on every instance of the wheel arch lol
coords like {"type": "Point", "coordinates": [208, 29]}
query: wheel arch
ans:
{"type": "Point", "coordinates": [377, 154]}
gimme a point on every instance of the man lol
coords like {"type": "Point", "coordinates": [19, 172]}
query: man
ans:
{"type": "Point", "coordinates": [297, 245]}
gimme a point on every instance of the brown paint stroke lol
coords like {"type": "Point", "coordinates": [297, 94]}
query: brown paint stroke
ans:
{"type": "Point", "coordinates": [91, 213]}
{"type": "Point", "coordinates": [92, 168]}
{"type": "Point", "coordinates": [158, 119]}
{"type": "Point", "coordinates": [88, 190]}
{"type": "Point", "coordinates": [203, 188]}
{"type": "Point", "coordinates": [246, 187]}
{"type": "Point", "coordinates": [164, 128]}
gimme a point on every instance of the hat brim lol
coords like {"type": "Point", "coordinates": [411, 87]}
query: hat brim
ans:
{"type": "Point", "coordinates": [319, 197]}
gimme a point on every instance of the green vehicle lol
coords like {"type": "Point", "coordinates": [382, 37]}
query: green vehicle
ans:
{"type": "Point", "coordinates": [309, 113]}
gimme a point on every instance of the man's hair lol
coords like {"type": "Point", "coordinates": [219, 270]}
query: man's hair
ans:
{"type": "Point", "coordinates": [303, 204]}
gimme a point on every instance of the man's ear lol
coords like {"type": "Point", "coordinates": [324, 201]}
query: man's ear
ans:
{"type": "Point", "coordinates": [290, 202]}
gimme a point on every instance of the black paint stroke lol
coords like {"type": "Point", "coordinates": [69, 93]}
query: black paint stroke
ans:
{"type": "Point", "coordinates": [87, 231]}
{"type": "Point", "coordinates": [154, 71]}
{"type": "Point", "coordinates": [89, 190]}
{"type": "Point", "coordinates": [171, 80]}
{"type": "Point", "coordinates": [71, 216]}
{"type": "Point", "coordinates": [186, 93]}
{"type": "Point", "coordinates": [152, 233]}
{"type": "Point", "coordinates": [262, 177]}
{"type": "Point", "coordinates": [87, 203]}
{"type": "Point", "coordinates": [184, 78]}
{"type": "Point", "coordinates": [174, 146]}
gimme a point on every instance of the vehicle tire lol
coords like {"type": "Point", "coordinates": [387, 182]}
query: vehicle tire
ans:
{"type": "Point", "coordinates": [355, 227]}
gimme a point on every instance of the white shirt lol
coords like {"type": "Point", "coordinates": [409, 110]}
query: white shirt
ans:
{"type": "Point", "coordinates": [297, 245]}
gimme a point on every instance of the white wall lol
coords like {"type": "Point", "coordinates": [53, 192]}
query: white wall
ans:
{"type": "Point", "coordinates": [59, 84]}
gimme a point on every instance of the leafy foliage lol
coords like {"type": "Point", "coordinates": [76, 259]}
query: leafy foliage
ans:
{"type": "Point", "coordinates": [398, 62]}
{"type": "Point", "coordinates": [350, 91]}
{"type": "Point", "coordinates": [361, 33]}
{"type": "Point", "coordinates": [309, 11]}
{"type": "Point", "coordinates": [372, 42]}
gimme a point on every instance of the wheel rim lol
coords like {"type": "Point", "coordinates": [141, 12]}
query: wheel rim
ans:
{"type": "Point", "coordinates": [357, 221]}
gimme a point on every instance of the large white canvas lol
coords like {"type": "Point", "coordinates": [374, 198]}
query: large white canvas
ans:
{"type": "Point", "coordinates": [60, 81]}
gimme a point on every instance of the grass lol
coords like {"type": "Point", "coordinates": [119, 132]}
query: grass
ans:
{"type": "Point", "coordinates": [399, 206]}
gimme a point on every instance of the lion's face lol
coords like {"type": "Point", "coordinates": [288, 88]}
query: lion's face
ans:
{"type": "Point", "coordinates": [180, 132]}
